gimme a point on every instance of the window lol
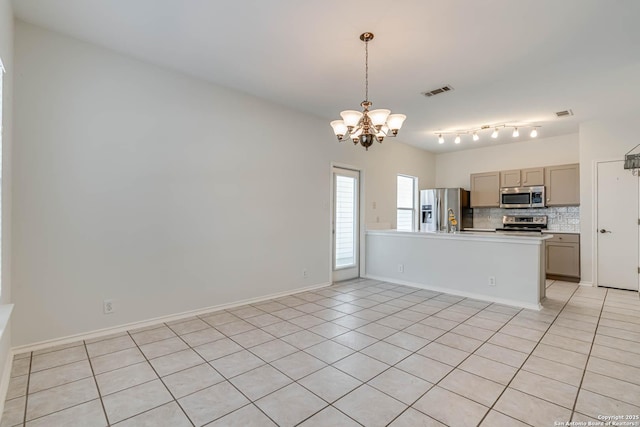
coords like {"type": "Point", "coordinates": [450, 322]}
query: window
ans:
{"type": "Point", "coordinates": [345, 220]}
{"type": "Point", "coordinates": [407, 189]}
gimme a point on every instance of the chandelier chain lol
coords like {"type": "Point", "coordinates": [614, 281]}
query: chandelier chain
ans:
{"type": "Point", "coordinates": [366, 70]}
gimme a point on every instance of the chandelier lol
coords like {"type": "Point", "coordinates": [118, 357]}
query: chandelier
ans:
{"type": "Point", "coordinates": [366, 126]}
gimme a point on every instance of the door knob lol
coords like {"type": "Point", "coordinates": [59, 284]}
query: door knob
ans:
{"type": "Point", "coordinates": [602, 230]}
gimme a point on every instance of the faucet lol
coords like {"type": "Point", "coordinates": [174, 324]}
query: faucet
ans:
{"type": "Point", "coordinates": [452, 221]}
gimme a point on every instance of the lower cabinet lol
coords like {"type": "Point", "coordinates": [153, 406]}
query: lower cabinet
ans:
{"type": "Point", "coordinates": [563, 257]}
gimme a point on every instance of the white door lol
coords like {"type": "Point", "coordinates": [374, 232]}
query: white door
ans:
{"type": "Point", "coordinates": [345, 228]}
{"type": "Point", "coordinates": [617, 226]}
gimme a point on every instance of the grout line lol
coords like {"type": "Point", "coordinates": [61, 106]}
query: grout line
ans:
{"type": "Point", "coordinates": [26, 397]}
{"type": "Point", "coordinates": [456, 366]}
{"type": "Point", "coordinates": [584, 372]}
{"type": "Point", "coordinates": [163, 383]}
{"type": "Point", "coordinates": [523, 363]}
{"type": "Point", "coordinates": [95, 381]}
{"type": "Point", "coordinates": [326, 364]}
{"type": "Point", "coordinates": [251, 402]}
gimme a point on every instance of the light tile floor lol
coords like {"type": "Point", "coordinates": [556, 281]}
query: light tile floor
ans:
{"type": "Point", "coordinates": [358, 353]}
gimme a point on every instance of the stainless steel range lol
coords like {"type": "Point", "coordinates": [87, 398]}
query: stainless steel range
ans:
{"type": "Point", "coordinates": [523, 223]}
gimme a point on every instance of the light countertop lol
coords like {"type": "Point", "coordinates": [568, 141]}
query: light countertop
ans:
{"type": "Point", "coordinates": [525, 238]}
{"type": "Point", "coordinates": [493, 230]}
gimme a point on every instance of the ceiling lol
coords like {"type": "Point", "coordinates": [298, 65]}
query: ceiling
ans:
{"type": "Point", "coordinates": [508, 61]}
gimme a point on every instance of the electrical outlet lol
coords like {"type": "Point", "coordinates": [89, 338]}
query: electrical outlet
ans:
{"type": "Point", "coordinates": [400, 268]}
{"type": "Point", "coordinates": [492, 280]}
{"type": "Point", "coordinates": [109, 306]}
{"type": "Point", "coordinates": [305, 273]}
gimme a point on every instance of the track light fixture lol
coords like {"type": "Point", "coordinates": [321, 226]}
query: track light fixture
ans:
{"type": "Point", "coordinates": [477, 132]}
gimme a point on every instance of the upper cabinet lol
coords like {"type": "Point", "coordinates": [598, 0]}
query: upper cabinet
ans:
{"type": "Point", "coordinates": [522, 177]}
{"type": "Point", "coordinates": [485, 190]}
{"type": "Point", "coordinates": [563, 185]}
{"type": "Point", "coordinates": [532, 176]}
{"type": "Point", "coordinates": [510, 178]}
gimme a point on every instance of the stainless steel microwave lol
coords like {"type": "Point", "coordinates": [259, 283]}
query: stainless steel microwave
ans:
{"type": "Point", "coordinates": [522, 197]}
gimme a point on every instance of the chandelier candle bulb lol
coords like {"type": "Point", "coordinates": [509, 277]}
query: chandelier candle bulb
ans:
{"type": "Point", "coordinates": [379, 117]}
{"type": "Point", "coordinates": [395, 121]}
{"type": "Point", "coordinates": [457, 140]}
{"type": "Point", "coordinates": [339, 128]}
{"type": "Point", "coordinates": [516, 133]}
{"type": "Point", "coordinates": [534, 133]}
{"type": "Point", "coordinates": [494, 135]}
{"type": "Point", "coordinates": [475, 136]}
{"type": "Point", "coordinates": [351, 118]}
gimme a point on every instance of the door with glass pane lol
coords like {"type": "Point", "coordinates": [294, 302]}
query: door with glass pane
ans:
{"type": "Point", "coordinates": [345, 227]}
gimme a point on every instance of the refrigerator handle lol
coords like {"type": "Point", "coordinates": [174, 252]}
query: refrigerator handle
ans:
{"type": "Point", "coordinates": [438, 219]}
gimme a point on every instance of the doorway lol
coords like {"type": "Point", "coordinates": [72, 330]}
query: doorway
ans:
{"type": "Point", "coordinates": [345, 224]}
{"type": "Point", "coordinates": [617, 255]}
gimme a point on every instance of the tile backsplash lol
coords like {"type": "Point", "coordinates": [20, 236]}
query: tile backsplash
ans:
{"type": "Point", "coordinates": [560, 218]}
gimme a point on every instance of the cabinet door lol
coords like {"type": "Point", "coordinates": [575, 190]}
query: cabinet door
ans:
{"type": "Point", "coordinates": [510, 178]}
{"type": "Point", "coordinates": [563, 185]}
{"type": "Point", "coordinates": [532, 176]}
{"type": "Point", "coordinates": [563, 259]}
{"type": "Point", "coordinates": [485, 189]}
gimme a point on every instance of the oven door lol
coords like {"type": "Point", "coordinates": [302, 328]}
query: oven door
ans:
{"type": "Point", "coordinates": [515, 197]}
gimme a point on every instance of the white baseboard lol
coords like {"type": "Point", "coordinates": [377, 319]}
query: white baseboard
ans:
{"type": "Point", "coordinates": [157, 320]}
{"type": "Point", "coordinates": [480, 297]}
{"type": "Point", "coordinates": [586, 284]}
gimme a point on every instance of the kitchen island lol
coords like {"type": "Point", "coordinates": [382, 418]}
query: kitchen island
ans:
{"type": "Point", "coordinates": [502, 268]}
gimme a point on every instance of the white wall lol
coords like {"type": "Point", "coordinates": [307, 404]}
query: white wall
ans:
{"type": "Point", "coordinates": [164, 192]}
{"type": "Point", "coordinates": [604, 139]}
{"type": "Point", "coordinates": [453, 169]}
{"type": "Point", "coordinates": [6, 54]}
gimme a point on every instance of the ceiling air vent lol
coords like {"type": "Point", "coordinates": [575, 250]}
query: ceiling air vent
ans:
{"type": "Point", "coordinates": [564, 113]}
{"type": "Point", "coordinates": [438, 91]}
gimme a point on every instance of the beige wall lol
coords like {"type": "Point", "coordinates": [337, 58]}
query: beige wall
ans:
{"type": "Point", "coordinates": [166, 193]}
{"type": "Point", "coordinates": [453, 169]}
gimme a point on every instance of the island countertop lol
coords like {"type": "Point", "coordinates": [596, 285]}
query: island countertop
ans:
{"type": "Point", "coordinates": [523, 238]}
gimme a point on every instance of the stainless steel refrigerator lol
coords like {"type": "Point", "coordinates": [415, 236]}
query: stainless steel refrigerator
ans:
{"type": "Point", "coordinates": [435, 204]}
